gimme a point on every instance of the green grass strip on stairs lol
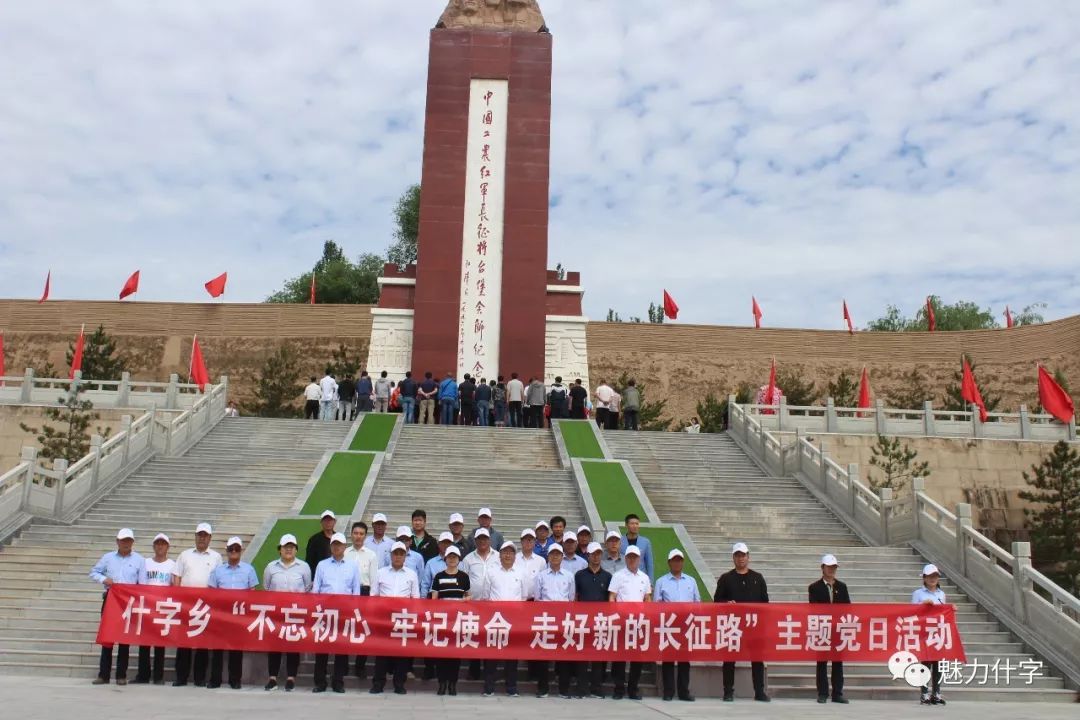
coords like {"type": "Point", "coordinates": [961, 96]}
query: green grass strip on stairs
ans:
{"type": "Point", "coordinates": [580, 439]}
{"type": "Point", "coordinates": [374, 432]}
{"type": "Point", "coordinates": [611, 491]}
{"type": "Point", "coordinates": [340, 484]}
{"type": "Point", "coordinates": [302, 528]}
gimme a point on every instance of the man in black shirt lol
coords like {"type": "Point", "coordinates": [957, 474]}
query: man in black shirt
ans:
{"type": "Point", "coordinates": [346, 392]}
{"type": "Point", "coordinates": [742, 585]}
{"type": "Point", "coordinates": [830, 590]}
{"type": "Point", "coordinates": [558, 400]}
{"type": "Point", "coordinates": [578, 397]}
{"type": "Point", "coordinates": [483, 403]}
{"type": "Point", "coordinates": [423, 542]}
{"type": "Point", "coordinates": [591, 585]}
{"type": "Point", "coordinates": [467, 395]}
{"type": "Point", "coordinates": [407, 397]}
{"type": "Point", "coordinates": [318, 546]}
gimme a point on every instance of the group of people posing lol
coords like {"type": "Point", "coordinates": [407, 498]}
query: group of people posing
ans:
{"type": "Point", "coordinates": [548, 563]}
{"type": "Point", "coordinates": [472, 401]}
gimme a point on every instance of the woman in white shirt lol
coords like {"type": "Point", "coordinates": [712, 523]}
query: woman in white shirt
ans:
{"type": "Point", "coordinates": [930, 594]}
{"type": "Point", "coordinates": [157, 570]}
{"type": "Point", "coordinates": [286, 574]}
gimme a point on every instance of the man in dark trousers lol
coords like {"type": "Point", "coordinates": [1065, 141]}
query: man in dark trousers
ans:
{"type": "Point", "coordinates": [591, 585]}
{"type": "Point", "coordinates": [578, 397]}
{"type": "Point", "coordinates": [742, 585]}
{"type": "Point", "coordinates": [830, 590]}
{"type": "Point", "coordinates": [558, 400]}
{"type": "Point", "coordinates": [318, 546]}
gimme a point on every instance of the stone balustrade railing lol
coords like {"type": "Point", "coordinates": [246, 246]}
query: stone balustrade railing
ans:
{"type": "Point", "coordinates": [1033, 606]}
{"type": "Point", "coordinates": [123, 393]}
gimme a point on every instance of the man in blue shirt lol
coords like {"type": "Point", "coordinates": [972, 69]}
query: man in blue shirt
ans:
{"type": "Point", "coordinates": [119, 566]}
{"type": "Point", "coordinates": [413, 560]}
{"type": "Point", "coordinates": [632, 537]}
{"type": "Point", "coordinates": [234, 574]}
{"type": "Point", "coordinates": [337, 576]}
{"type": "Point", "coordinates": [448, 399]}
{"type": "Point", "coordinates": [676, 587]}
{"type": "Point", "coordinates": [364, 389]}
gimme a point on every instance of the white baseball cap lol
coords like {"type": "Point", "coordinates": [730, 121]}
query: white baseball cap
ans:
{"type": "Point", "coordinates": [740, 547]}
{"type": "Point", "coordinates": [569, 537]}
{"type": "Point", "coordinates": [542, 524]}
{"type": "Point", "coordinates": [377, 518]}
{"type": "Point", "coordinates": [555, 548]}
{"type": "Point", "coordinates": [593, 547]}
{"type": "Point", "coordinates": [930, 569]}
{"type": "Point", "coordinates": [337, 537]}
{"type": "Point", "coordinates": [446, 537]}
{"type": "Point", "coordinates": [481, 532]}
{"type": "Point", "coordinates": [528, 532]}
{"type": "Point", "coordinates": [675, 553]}
{"type": "Point", "coordinates": [456, 518]}
{"type": "Point", "coordinates": [162, 536]}
{"type": "Point", "coordinates": [327, 514]}
{"type": "Point", "coordinates": [204, 527]}
{"type": "Point", "coordinates": [234, 541]}
{"type": "Point", "coordinates": [399, 546]}
{"type": "Point", "coordinates": [483, 512]}
{"type": "Point", "coordinates": [125, 534]}
{"type": "Point", "coordinates": [403, 531]}
{"type": "Point", "coordinates": [829, 560]}
{"type": "Point", "coordinates": [509, 544]}
{"type": "Point", "coordinates": [633, 550]}
{"type": "Point", "coordinates": [584, 528]}
{"type": "Point", "coordinates": [613, 534]}
{"type": "Point", "coordinates": [286, 539]}
{"type": "Point", "coordinates": [453, 550]}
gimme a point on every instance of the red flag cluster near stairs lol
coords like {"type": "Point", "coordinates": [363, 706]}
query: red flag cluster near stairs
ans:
{"type": "Point", "coordinates": [1054, 399]}
{"type": "Point", "coordinates": [969, 391]}
{"type": "Point", "coordinates": [198, 372]}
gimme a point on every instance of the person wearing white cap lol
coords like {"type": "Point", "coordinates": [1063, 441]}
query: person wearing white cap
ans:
{"type": "Point", "coordinates": [394, 580]}
{"type": "Point", "coordinates": [584, 537]}
{"type": "Point", "coordinates": [367, 564]}
{"type": "Point", "coordinates": [286, 574]}
{"type": "Point", "coordinates": [413, 559]}
{"type": "Point", "coordinates": [612, 560]}
{"type": "Point", "coordinates": [528, 562]}
{"type": "Point", "coordinates": [591, 585]}
{"type": "Point", "coordinates": [318, 545]}
{"type": "Point", "coordinates": [505, 584]}
{"type": "Point", "coordinates": [234, 574]}
{"type": "Point", "coordinates": [193, 568]}
{"type": "Point", "coordinates": [742, 585]}
{"type": "Point", "coordinates": [450, 583]}
{"type": "Point", "coordinates": [633, 537]}
{"type": "Point", "coordinates": [457, 533]}
{"type": "Point", "coordinates": [437, 564]}
{"type": "Point", "coordinates": [543, 539]}
{"type": "Point", "coordinates": [122, 565]}
{"type": "Point", "coordinates": [378, 540]}
{"type": "Point", "coordinates": [479, 564]}
{"type": "Point", "coordinates": [157, 571]}
{"type": "Point", "coordinates": [630, 584]}
{"type": "Point", "coordinates": [571, 560]}
{"type": "Point", "coordinates": [334, 575]}
{"type": "Point", "coordinates": [676, 587]}
{"type": "Point", "coordinates": [930, 593]}
{"type": "Point", "coordinates": [553, 584]}
{"type": "Point", "coordinates": [483, 520]}
{"type": "Point", "coordinates": [829, 589]}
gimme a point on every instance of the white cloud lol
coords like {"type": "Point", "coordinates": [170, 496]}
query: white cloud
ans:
{"type": "Point", "coordinates": [799, 151]}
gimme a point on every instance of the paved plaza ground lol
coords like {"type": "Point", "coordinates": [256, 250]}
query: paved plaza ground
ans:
{"type": "Point", "coordinates": [28, 699]}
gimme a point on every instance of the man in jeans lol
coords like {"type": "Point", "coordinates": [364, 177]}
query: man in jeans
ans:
{"type": "Point", "coordinates": [408, 390]}
{"type": "Point", "coordinates": [363, 396]}
{"type": "Point", "coordinates": [427, 393]}
{"type": "Point", "coordinates": [448, 397]}
{"type": "Point", "coordinates": [483, 402]}
{"type": "Point", "coordinates": [631, 405]}
{"type": "Point", "coordinates": [382, 393]}
{"type": "Point", "coordinates": [515, 397]}
{"type": "Point", "coordinates": [328, 386]}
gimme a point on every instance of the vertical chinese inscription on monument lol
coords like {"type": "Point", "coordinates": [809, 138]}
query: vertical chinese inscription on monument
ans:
{"type": "Point", "coordinates": [481, 256]}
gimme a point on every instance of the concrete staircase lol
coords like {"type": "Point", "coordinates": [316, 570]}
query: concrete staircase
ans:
{"type": "Point", "coordinates": [244, 471]}
{"type": "Point", "coordinates": [711, 486]}
{"type": "Point", "coordinates": [446, 469]}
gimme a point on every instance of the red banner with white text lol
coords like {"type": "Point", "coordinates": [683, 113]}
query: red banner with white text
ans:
{"type": "Point", "coordinates": [652, 632]}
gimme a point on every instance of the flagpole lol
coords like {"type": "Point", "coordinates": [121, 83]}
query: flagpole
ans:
{"type": "Point", "coordinates": [191, 360]}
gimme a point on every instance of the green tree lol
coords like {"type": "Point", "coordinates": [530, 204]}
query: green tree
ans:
{"type": "Point", "coordinates": [337, 280]}
{"type": "Point", "coordinates": [911, 393]}
{"type": "Point", "coordinates": [1055, 524]}
{"type": "Point", "coordinates": [953, 400]}
{"type": "Point", "coordinates": [844, 390]}
{"type": "Point", "coordinates": [712, 414]}
{"type": "Point", "coordinates": [279, 384]}
{"type": "Point", "coordinates": [656, 313]}
{"type": "Point", "coordinates": [897, 462]}
{"type": "Point", "coordinates": [406, 227]}
{"type": "Point", "coordinates": [797, 391]}
{"type": "Point", "coordinates": [650, 415]}
{"type": "Point", "coordinates": [343, 364]}
{"type": "Point", "coordinates": [613, 316]}
{"type": "Point", "coordinates": [962, 315]}
{"type": "Point", "coordinates": [1031, 315]}
{"type": "Point", "coordinates": [100, 360]}
{"type": "Point", "coordinates": [68, 435]}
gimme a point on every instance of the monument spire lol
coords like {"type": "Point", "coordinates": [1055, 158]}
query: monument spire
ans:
{"type": "Point", "coordinates": [513, 15]}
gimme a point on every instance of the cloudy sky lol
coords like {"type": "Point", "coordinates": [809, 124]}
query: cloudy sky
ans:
{"type": "Point", "coordinates": [798, 151]}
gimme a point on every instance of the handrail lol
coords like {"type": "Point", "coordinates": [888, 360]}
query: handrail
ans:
{"type": "Point", "coordinates": [122, 393]}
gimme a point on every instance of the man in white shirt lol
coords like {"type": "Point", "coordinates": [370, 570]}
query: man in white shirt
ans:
{"type": "Point", "coordinates": [479, 565]}
{"type": "Point", "coordinates": [603, 403]}
{"type": "Point", "coordinates": [571, 560]}
{"type": "Point", "coordinates": [394, 580]}
{"type": "Point", "coordinates": [515, 397]}
{"type": "Point", "coordinates": [378, 541]}
{"type": "Point", "coordinates": [158, 571]}
{"type": "Point", "coordinates": [529, 563]}
{"type": "Point", "coordinates": [193, 569]}
{"type": "Point", "coordinates": [328, 395]}
{"type": "Point", "coordinates": [629, 585]}
{"type": "Point", "coordinates": [553, 584]}
{"type": "Point", "coordinates": [312, 396]}
{"type": "Point", "coordinates": [505, 584]}
{"type": "Point", "coordinates": [367, 564]}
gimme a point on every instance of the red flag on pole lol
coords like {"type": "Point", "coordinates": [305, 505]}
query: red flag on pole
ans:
{"type": "Point", "coordinates": [1, 358]}
{"type": "Point", "coordinates": [198, 373]}
{"type": "Point", "coordinates": [671, 309]}
{"type": "Point", "coordinates": [216, 287]}
{"type": "Point", "coordinates": [312, 288]}
{"type": "Point", "coordinates": [864, 390]}
{"type": "Point", "coordinates": [772, 384]}
{"type": "Point", "coordinates": [76, 357]}
{"type": "Point", "coordinates": [847, 317]}
{"type": "Point", "coordinates": [931, 322]}
{"type": "Point", "coordinates": [48, 281]}
{"type": "Point", "coordinates": [1008, 317]}
{"type": "Point", "coordinates": [131, 286]}
{"type": "Point", "coordinates": [757, 312]}
{"type": "Point", "coordinates": [969, 391]}
{"type": "Point", "coordinates": [1054, 399]}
